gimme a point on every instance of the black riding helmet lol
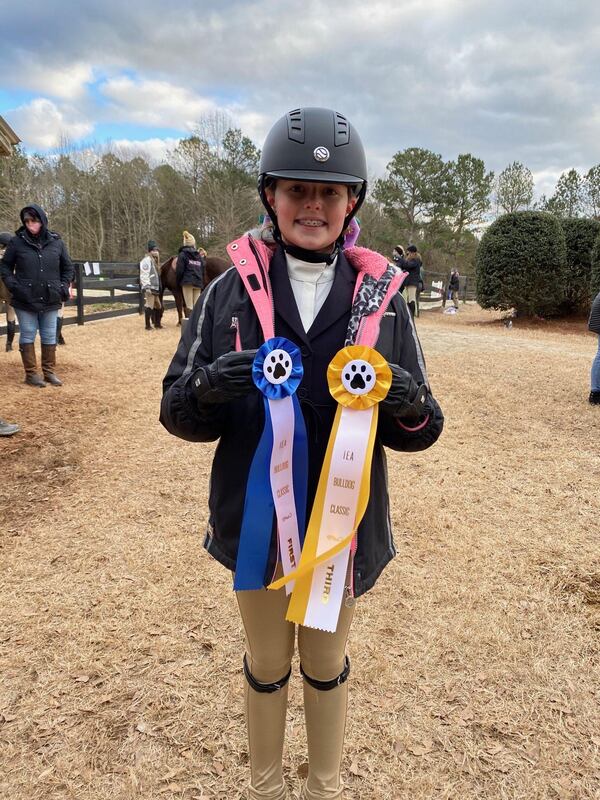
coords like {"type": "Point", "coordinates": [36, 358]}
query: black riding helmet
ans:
{"type": "Point", "coordinates": [5, 238]}
{"type": "Point", "coordinates": [314, 144]}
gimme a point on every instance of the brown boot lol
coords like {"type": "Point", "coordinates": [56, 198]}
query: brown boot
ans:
{"type": "Point", "coordinates": [28, 358]}
{"type": "Point", "coordinates": [49, 363]}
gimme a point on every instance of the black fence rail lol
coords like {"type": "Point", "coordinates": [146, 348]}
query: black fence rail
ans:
{"type": "Point", "coordinates": [435, 289]}
{"type": "Point", "coordinates": [105, 283]}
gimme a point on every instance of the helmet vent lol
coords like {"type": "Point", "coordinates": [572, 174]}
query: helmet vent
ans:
{"type": "Point", "coordinates": [342, 130]}
{"type": "Point", "coordinates": [295, 121]}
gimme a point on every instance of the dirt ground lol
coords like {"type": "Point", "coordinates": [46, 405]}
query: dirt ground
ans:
{"type": "Point", "coordinates": [475, 659]}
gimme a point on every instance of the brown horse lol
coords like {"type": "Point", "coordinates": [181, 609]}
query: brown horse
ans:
{"type": "Point", "coordinates": [213, 267]}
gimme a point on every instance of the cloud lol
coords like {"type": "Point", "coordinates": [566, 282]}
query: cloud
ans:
{"type": "Point", "coordinates": [67, 80]}
{"type": "Point", "coordinates": [153, 103]}
{"type": "Point", "coordinates": [43, 124]}
{"type": "Point", "coordinates": [154, 150]}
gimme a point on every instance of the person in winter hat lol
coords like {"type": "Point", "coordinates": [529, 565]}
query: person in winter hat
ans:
{"type": "Point", "coordinates": [594, 326]}
{"type": "Point", "coordinates": [412, 264]}
{"type": "Point", "coordinates": [189, 272]}
{"type": "Point", "coordinates": [5, 298]}
{"type": "Point", "coordinates": [150, 286]}
{"type": "Point", "coordinates": [313, 293]}
{"type": "Point", "coordinates": [36, 270]}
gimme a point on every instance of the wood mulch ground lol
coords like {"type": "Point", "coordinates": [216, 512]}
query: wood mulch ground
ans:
{"type": "Point", "coordinates": [475, 659]}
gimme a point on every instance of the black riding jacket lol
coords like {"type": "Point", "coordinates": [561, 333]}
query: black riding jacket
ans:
{"type": "Point", "coordinates": [37, 270]}
{"type": "Point", "coordinates": [225, 310]}
{"type": "Point", "coordinates": [190, 267]}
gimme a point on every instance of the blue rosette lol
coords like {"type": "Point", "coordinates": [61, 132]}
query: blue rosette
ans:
{"type": "Point", "coordinates": [277, 372]}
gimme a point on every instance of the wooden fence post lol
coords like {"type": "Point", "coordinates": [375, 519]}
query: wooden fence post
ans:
{"type": "Point", "coordinates": [79, 286]}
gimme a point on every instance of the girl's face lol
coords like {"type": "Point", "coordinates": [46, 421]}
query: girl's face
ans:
{"type": "Point", "coordinates": [34, 226]}
{"type": "Point", "coordinates": [310, 215]}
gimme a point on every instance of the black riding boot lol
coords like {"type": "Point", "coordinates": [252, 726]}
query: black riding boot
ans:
{"type": "Point", "coordinates": [10, 335]}
{"type": "Point", "coordinates": [156, 317]}
{"type": "Point", "coordinates": [60, 339]}
{"type": "Point", "coordinates": [148, 315]}
{"type": "Point", "coordinates": [594, 398]}
{"type": "Point", "coordinates": [412, 308]}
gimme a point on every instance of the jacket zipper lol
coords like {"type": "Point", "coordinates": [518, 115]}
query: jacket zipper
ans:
{"type": "Point", "coordinates": [265, 275]}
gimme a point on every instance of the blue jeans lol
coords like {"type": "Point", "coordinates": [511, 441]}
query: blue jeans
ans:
{"type": "Point", "coordinates": [596, 370]}
{"type": "Point", "coordinates": [30, 321]}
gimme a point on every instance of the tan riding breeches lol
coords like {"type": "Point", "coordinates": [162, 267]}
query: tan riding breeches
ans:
{"type": "Point", "coordinates": [411, 293]}
{"type": "Point", "coordinates": [10, 312]}
{"type": "Point", "coordinates": [270, 643]}
{"type": "Point", "coordinates": [151, 300]}
{"type": "Point", "coordinates": [190, 294]}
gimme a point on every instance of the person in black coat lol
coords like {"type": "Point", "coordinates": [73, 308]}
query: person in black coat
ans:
{"type": "Point", "coordinates": [594, 326]}
{"type": "Point", "coordinates": [412, 264]}
{"type": "Point", "coordinates": [453, 287]}
{"type": "Point", "coordinates": [36, 270]}
{"type": "Point", "coordinates": [189, 272]}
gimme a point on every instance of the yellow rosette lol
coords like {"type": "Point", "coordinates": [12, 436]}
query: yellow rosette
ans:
{"type": "Point", "coordinates": [358, 378]}
{"type": "Point", "coordinates": [351, 365]}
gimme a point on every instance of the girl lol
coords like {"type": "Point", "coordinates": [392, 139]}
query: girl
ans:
{"type": "Point", "coordinates": [313, 179]}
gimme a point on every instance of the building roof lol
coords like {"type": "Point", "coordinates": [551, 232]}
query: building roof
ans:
{"type": "Point", "coordinates": [8, 138]}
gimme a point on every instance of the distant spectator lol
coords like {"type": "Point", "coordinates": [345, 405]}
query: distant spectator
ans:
{"type": "Point", "coordinates": [5, 298]}
{"type": "Point", "coordinates": [150, 286]}
{"type": "Point", "coordinates": [453, 287]}
{"type": "Point", "coordinates": [190, 272]}
{"type": "Point", "coordinates": [412, 264]}
{"type": "Point", "coordinates": [37, 271]}
{"type": "Point", "coordinates": [594, 326]}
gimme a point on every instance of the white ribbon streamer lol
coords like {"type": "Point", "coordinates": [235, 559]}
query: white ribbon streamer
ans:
{"type": "Point", "coordinates": [339, 516]}
{"type": "Point", "coordinates": [282, 484]}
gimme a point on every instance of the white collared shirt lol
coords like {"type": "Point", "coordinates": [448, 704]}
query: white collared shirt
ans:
{"type": "Point", "coordinates": [311, 283]}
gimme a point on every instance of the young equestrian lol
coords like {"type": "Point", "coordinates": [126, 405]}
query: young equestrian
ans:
{"type": "Point", "coordinates": [303, 361]}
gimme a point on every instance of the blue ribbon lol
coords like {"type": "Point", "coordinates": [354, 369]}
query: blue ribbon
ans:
{"type": "Point", "coordinates": [280, 360]}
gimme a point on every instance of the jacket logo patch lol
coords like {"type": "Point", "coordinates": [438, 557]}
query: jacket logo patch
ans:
{"type": "Point", "coordinates": [389, 313]}
{"type": "Point", "coordinates": [234, 323]}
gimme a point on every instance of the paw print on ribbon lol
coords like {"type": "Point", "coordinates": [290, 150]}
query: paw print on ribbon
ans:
{"type": "Point", "coordinates": [358, 377]}
{"type": "Point", "coordinates": [277, 369]}
{"type": "Point", "coordinates": [277, 366]}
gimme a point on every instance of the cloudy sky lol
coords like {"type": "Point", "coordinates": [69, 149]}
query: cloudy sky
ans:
{"type": "Point", "coordinates": [504, 80]}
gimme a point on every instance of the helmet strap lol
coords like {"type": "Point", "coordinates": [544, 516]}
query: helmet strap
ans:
{"type": "Point", "coordinates": [311, 256]}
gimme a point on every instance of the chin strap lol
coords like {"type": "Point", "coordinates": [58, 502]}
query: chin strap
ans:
{"type": "Point", "coordinates": [311, 256]}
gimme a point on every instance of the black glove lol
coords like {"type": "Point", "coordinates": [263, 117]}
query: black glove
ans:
{"type": "Point", "coordinates": [406, 399]}
{"type": "Point", "coordinates": [227, 378]}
